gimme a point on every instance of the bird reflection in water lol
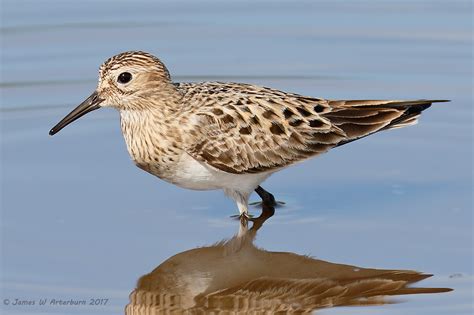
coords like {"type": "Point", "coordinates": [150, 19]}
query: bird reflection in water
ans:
{"type": "Point", "coordinates": [236, 277]}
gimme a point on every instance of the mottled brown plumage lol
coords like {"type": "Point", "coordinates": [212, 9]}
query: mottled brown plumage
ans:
{"type": "Point", "coordinates": [231, 136]}
{"type": "Point", "coordinates": [242, 128]}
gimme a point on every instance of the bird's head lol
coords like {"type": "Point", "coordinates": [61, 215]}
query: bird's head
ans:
{"type": "Point", "coordinates": [124, 80]}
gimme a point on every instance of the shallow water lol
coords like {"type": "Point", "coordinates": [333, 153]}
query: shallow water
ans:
{"type": "Point", "coordinates": [80, 221]}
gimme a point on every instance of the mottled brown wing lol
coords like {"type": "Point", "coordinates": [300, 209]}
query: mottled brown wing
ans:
{"type": "Point", "coordinates": [254, 134]}
{"type": "Point", "coordinates": [264, 129]}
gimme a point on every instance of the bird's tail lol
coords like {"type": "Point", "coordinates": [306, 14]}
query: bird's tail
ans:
{"type": "Point", "coordinates": [360, 118]}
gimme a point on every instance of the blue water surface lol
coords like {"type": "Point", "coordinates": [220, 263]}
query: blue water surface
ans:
{"type": "Point", "coordinates": [80, 221]}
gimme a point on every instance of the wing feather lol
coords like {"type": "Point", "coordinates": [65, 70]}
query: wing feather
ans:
{"type": "Point", "coordinates": [240, 128]}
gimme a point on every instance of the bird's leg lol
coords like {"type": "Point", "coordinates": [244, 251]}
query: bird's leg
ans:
{"type": "Point", "coordinates": [242, 203]}
{"type": "Point", "coordinates": [267, 198]}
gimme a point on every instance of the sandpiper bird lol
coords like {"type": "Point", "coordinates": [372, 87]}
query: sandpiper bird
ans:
{"type": "Point", "coordinates": [229, 136]}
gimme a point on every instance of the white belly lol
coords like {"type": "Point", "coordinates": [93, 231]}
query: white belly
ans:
{"type": "Point", "coordinates": [193, 174]}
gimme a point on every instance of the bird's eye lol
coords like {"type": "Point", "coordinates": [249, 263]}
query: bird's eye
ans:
{"type": "Point", "coordinates": [124, 77]}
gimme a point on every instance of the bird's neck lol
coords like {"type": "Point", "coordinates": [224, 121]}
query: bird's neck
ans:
{"type": "Point", "coordinates": [161, 98]}
{"type": "Point", "coordinates": [152, 136]}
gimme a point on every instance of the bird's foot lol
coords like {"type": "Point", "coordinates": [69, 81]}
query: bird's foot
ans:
{"type": "Point", "coordinates": [268, 200]}
{"type": "Point", "coordinates": [242, 217]}
{"type": "Point", "coordinates": [276, 204]}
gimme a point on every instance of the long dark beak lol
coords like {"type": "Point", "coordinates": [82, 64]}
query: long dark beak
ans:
{"type": "Point", "coordinates": [90, 104]}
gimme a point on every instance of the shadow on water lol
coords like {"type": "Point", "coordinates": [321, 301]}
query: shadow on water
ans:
{"type": "Point", "coordinates": [235, 277]}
